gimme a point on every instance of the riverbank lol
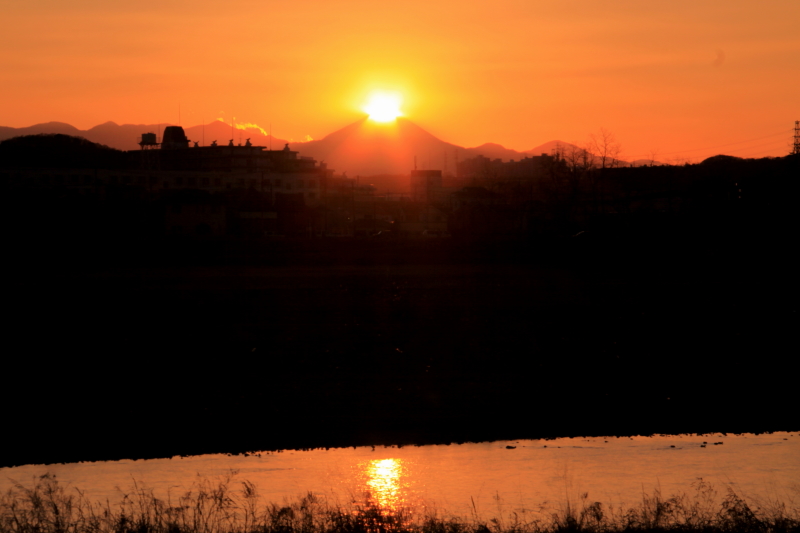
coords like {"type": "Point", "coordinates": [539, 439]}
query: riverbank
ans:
{"type": "Point", "coordinates": [230, 505]}
{"type": "Point", "coordinates": [234, 346]}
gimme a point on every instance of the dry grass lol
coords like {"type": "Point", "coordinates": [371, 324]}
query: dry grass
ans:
{"type": "Point", "coordinates": [230, 506]}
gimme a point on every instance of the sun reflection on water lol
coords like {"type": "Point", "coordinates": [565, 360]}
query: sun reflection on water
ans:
{"type": "Point", "coordinates": [385, 482]}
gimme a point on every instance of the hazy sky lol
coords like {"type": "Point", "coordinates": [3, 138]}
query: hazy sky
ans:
{"type": "Point", "coordinates": [663, 75]}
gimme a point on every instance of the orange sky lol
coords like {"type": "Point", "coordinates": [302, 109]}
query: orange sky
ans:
{"type": "Point", "coordinates": [667, 76]}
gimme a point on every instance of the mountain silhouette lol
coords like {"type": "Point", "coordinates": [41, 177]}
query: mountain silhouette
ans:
{"type": "Point", "coordinates": [550, 146]}
{"type": "Point", "coordinates": [36, 129]}
{"type": "Point", "coordinates": [367, 148]}
{"type": "Point", "coordinates": [127, 136]}
{"type": "Point", "coordinates": [59, 150]}
{"type": "Point", "coordinates": [566, 148]}
{"type": "Point", "coordinates": [124, 137]}
{"type": "Point", "coordinates": [363, 148]}
{"type": "Point", "coordinates": [496, 151]}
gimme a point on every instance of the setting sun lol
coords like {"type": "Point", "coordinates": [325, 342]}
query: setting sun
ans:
{"type": "Point", "coordinates": [384, 107]}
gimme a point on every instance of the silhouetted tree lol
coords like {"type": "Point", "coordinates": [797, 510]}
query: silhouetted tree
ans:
{"type": "Point", "coordinates": [578, 159]}
{"type": "Point", "coordinates": [605, 147]}
{"type": "Point", "coordinates": [653, 154]}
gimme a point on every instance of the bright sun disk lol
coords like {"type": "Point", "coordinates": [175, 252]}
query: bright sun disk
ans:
{"type": "Point", "coordinates": [384, 107]}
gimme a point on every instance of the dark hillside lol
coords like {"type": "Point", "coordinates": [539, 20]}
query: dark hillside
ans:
{"type": "Point", "coordinates": [58, 151]}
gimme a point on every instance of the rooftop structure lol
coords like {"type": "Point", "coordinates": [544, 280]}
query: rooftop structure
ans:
{"type": "Point", "coordinates": [177, 154]}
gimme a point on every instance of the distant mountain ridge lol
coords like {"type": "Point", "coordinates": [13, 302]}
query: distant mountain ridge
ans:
{"type": "Point", "coordinates": [361, 148]}
{"type": "Point", "coordinates": [127, 136]}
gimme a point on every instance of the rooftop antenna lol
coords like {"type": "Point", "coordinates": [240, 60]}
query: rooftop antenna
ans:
{"type": "Point", "coordinates": [204, 130]}
{"type": "Point", "coordinates": [270, 136]}
{"type": "Point", "coordinates": [179, 115]}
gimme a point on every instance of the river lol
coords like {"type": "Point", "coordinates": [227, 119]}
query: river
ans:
{"type": "Point", "coordinates": [484, 479]}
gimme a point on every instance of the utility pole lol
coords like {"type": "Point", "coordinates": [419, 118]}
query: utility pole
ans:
{"type": "Point", "coordinates": [796, 148]}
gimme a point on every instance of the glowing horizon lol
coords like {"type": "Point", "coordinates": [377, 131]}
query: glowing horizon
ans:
{"type": "Point", "coordinates": [667, 78]}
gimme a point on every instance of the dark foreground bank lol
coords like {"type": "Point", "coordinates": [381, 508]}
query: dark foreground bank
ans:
{"type": "Point", "coordinates": [153, 349]}
{"type": "Point", "coordinates": [47, 507]}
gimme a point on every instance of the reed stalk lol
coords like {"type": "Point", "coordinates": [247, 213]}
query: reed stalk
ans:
{"type": "Point", "coordinates": [232, 506]}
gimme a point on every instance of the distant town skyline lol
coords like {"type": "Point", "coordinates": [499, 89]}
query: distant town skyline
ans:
{"type": "Point", "coordinates": [678, 81]}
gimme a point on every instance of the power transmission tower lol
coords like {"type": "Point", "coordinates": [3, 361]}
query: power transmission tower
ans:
{"type": "Point", "coordinates": [796, 149]}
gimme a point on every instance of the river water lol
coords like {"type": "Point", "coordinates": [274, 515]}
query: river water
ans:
{"type": "Point", "coordinates": [488, 479]}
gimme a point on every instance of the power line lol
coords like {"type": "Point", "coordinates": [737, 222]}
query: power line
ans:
{"type": "Point", "coordinates": [774, 148]}
{"type": "Point", "coordinates": [757, 153]}
{"type": "Point", "coordinates": [784, 132]}
{"type": "Point", "coordinates": [772, 143]}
